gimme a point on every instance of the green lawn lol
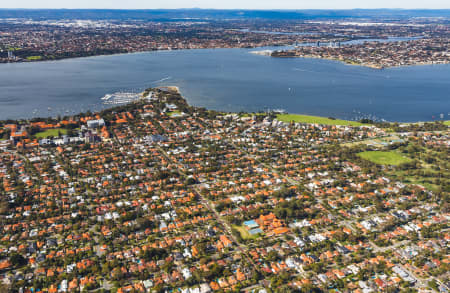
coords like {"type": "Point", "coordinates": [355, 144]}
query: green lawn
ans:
{"type": "Point", "coordinates": [316, 119]}
{"type": "Point", "coordinates": [447, 122]}
{"type": "Point", "coordinates": [51, 132]}
{"type": "Point", "coordinates": [32, 58]}
{"type": "Point", "coordinates": [384, 158]}
{"type": "Point", "coordinates": [244, 232]}
{"type": "Point", "coordinates": [251, 114]}
{"type": "Point", "coordinates": [425, 181]}
{"type": "Point", "coordinates": [377, 142]}
{"type": "Point", "coordinates": [176, 112]}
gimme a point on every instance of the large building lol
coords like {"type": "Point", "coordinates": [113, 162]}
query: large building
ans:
{"type": "Point", "coordinates": [95, 123]}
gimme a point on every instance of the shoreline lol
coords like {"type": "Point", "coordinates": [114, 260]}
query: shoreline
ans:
{"type": "Point", "coordinates": [310, 119]}
{"type": "Point", "coordinates": [33, 60]}
{"type": "Point", "coordinates": [266, 53]}
{"type": "Point", "coordinates": [173, 88]}
{"type": "Point", "coordinates": [446, 122]}
{"type": "Point", "coordinates": [366, 65]}
{"type": "Point", "coordinates": [24, 61]}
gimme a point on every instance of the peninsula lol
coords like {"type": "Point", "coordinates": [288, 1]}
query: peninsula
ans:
{"type": "Point", "coordinates": [377, 55]}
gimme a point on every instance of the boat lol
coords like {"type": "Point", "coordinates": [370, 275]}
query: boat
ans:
{"type": "Point", "coordinates": [279, 111]}
{"type": "Point", "coordinates": [120, 98]}
{"type": "Point", "coordinates": [106, 97]}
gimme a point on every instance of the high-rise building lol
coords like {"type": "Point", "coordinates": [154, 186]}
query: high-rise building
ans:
{"type": "Point", "coordinates": [10, 55]}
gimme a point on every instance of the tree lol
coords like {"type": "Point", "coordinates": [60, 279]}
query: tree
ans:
{"type": "Point", "coordinates": [145, 223]}
{"type": "Point", "coordinates": [154, 254]}
{"type": "Point", "coordinates": [309, 288]}
{"type": "Point", "coordinates": [4, 288]}
{"type": "Point", "coordinates": [285, 289]}
{"type": "Point", "coordinates": [17, 260]}
{"type": "Point", "coordinates": [433, 284]}
{"type": "Point", "coordinates": [4, 206]}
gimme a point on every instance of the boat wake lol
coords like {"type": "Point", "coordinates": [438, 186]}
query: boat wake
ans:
{"type": "Point", "coordinates": [163, 79]}
{"type": "Point", "coordinates": [303, 70]}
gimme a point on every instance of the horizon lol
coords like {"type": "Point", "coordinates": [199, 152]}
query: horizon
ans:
{"type": "Point", "coordinates": [226, 5]}
{"type": "Point", "coordinates": [219, 9]}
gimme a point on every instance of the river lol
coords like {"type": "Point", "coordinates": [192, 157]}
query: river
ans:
{"type": "Point", "coordinates": [229, 80]}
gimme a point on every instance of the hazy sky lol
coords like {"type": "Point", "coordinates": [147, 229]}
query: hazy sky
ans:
{"type": "Point", "coordinates": [226, 4]}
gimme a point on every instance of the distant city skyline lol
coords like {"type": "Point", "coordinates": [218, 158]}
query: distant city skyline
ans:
{"type": "Point", "coordinates": [229, 4]}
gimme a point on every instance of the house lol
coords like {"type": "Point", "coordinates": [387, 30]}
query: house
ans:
{"type": "Point", "coordinates": [64, 286]}
{"type": "Point", "coordinates": [225, 241]}
{"type": "Point", "coordinates": [186, 273]}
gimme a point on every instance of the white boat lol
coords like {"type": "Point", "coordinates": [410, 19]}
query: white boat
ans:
{"type": "Point", "coordinates": [106, 97]}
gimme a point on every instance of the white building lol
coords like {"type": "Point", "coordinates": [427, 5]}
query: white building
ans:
{"type": "Point", "coordinates": [95, 123]}
{"type": "Point", "coordinates": [64, 286]}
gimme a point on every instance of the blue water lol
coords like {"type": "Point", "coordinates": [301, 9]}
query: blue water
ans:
{"type": "Point", "coordinates": [229, 80]}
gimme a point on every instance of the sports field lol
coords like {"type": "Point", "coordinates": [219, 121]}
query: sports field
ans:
{"type": "Point", "coordinates": [384, 158]}
{"type": "Point", "coordinates": [316, 119]}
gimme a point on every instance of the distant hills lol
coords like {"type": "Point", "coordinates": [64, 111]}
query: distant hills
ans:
{"type": "Point", "coordinates": [212, 14]}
